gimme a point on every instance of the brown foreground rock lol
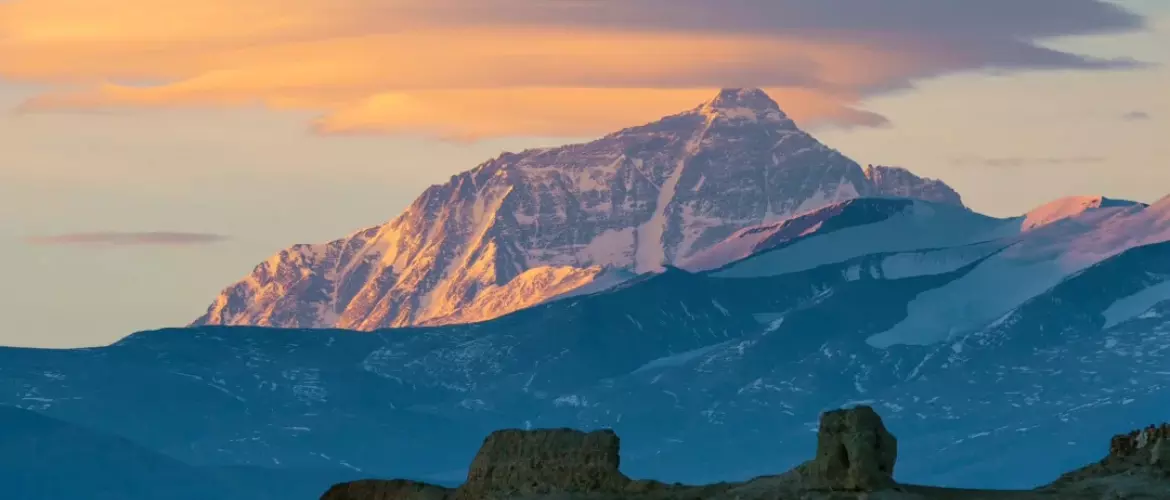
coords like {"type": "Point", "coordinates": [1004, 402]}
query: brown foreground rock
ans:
{"type": "Point", "coordinates": [518, 463]}
{"type": "Point", "coordinates": [398, 489]}
{"type": "Point", "coordinates": [1137, 467]}
{"type": "Point", "coordinates": [855, 460]}
{"type": "Point", "coordinates": [522, 464]}
{"type": "Point", "coordinates": [855, 452]}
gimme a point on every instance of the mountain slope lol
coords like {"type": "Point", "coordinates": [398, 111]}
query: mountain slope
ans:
{"type": "Point", "coordinates": [1037, 261]}
{"type": "Point", "coordinates": [1070, 207]}
{"type": "Point", "coordinates": [46, 458]}
{"type": "Point", "coordinates": [42, 458]}
{"type": "Point", "coordinates": [846, 230]}
{"type": "Point", "coordinates": [526, 227]}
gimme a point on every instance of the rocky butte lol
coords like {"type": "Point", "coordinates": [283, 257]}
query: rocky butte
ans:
{"type": "Point", "coordinates": [526, 227]}
{"type": "Point", "coordinates": [854, 460]}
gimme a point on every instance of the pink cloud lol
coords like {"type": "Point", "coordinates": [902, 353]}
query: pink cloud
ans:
{"type": "Point", "coordinates": [157, 238]}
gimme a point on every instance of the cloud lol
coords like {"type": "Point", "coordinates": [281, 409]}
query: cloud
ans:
{"type": "Point", "coordinates": [479, 68]}
{"type": "Point", "coordinates": [1136, 116]}
{"type": "Point", "coordinates": [1018, 162]}
{"type": "Point", "coordinates": [160, 238]}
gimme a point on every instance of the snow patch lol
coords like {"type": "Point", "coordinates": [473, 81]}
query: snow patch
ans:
{"type": "Point", "coordinates": [972, 301]}
{"type": "Point", "coordinates": [572, 400]}
{"type": "Point", "coordinates": [853, 273]}
{"type": "Point", "coordinates": [650, 254]}
{"type": "Point", "coordinates": [773, 321]}
{"type": "Point", "coordinates": [682, 358]}
{"type": "Point", "coordinates": [720, 307]}
{"type": "Point", "coordinates": [919, 227]}
{"type": "Point", "coordinates": [844, 191]}
{"type": "Point", "coordinates": [1137, 304]}
{"type": "Point", "coordinates": [736, 247]}
{"type": "Point", "coordinates": [613, 247]}
{"type": "Point", "coordinates": [937, 262]}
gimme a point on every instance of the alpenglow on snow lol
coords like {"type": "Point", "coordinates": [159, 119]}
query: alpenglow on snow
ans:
{"type": "Point", "coordinates": [526, 227]}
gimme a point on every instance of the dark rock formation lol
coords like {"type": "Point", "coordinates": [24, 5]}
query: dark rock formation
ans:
{"type": "Point", "coordinates": [515, 463]}
{"type": "Point", "coordinates": [398, 489]}
{"type": "Point", "coordinates": [1139, 443]}
{"type": "Point", "coordinates": [899, 182]}
{"type": "Point", "coordinates": [855, 452]}
{"type": "Point", "coordinates": [1137, 467]}
{"type": "Point", "coordinates": [1160, 454]}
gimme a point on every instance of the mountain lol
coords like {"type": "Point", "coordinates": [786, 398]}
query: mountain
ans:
{"type": "Point", "coordinates": [523, 228]}
{"type": "Point", "coordinates": [47, 458]}
{"type": "Point", "coordinates": [1002, 352]}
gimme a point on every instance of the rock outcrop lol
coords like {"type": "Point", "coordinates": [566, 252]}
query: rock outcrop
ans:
{"type": "Point", "coordinates": [1143, 444]}
{"type": "Point", "coordinates": [519, 463]}
{"type": "Point", "coordinates": [899, 182]}
{"type": "Point", "coordinates": [855, 452]}
{"type": "Point", "coordinates": [1160, 454]}
{"type": "Point", "coordinates": [1141, 457]}
{"type": "Point", "coordinates": [398, 489]}
{"type": "Point", "coordinates": [1136, 468]}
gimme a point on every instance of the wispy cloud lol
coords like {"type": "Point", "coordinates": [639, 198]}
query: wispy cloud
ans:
{"type": "Point", "coordinates": [1019, 162]}
{"type": "Point", "coordinates": [1136, 116]}
{"type": "Point", "coordinates": [157, 238]}
{"type": "Point", "coordinates": [476, 68]}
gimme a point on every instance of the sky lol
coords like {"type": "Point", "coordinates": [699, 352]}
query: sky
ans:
{"type": "Point", "coordinates": [153, 152]}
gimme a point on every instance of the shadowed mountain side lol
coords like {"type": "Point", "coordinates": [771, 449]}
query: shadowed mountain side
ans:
{"type": "Point", "coordinates": [44, 458]}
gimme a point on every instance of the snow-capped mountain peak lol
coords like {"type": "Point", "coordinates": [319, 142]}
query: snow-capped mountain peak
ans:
{"type": "Point", "coordinates": [525, 227]}
{"type": "Point", "coordinates": [743, 104]}
{"type": "Point", "coordinates": [752, 98]}
{"type": "Point", "coordinates": [1071, 207]}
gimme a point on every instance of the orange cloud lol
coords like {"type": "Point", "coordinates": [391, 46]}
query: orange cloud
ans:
{"type": "Point", "coordinates": [460, 68]}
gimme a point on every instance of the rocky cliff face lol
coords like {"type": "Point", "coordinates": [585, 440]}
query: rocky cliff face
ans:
{"type": "Point", "coordinates": [899, 182]}
{"type": "Point", "coordinates": [522, 228]}
{"type": "Point", "coordinates": [855, 452]}
{"type": "Point", "coordinates": [518, 463]}
{"type": "Point", "coordinates": [1137, 467]}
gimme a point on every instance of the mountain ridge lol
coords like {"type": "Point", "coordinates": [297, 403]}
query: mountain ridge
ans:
{"type": "Point", "coordinates": [525, 227]}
